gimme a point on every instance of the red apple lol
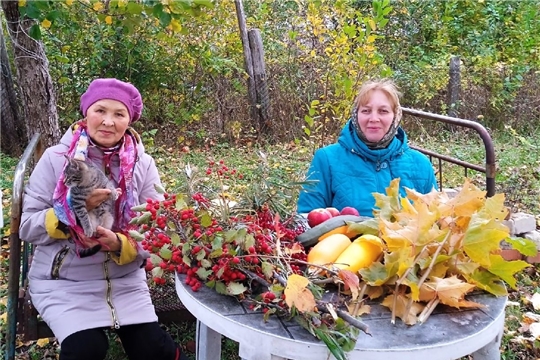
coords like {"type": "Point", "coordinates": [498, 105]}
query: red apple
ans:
{"type": "Point", "coordinates": [333, 211]}
{"type": "Point", "coordinates": [317, 216]}
{"type": "Point", "coordinates": [349, 210]}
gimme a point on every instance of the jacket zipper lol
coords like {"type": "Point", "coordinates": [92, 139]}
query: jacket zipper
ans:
{"type": "Point", "coordinates": [58, 261]}
{"type": "Point", "coordinates": [116, 323]}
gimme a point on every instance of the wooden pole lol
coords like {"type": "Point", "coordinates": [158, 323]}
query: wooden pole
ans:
{"type": "Point", "coordinates": [252, 92]}
{"type": "Point", "coordinates": [261, 84]}
{"type": "Point", "coordinates": [454, 87]}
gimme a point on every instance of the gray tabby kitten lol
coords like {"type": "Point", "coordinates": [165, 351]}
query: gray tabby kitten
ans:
{"type": "Point", "coordinates": [82, 178]}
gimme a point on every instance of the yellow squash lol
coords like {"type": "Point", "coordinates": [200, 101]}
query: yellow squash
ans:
{"type": "Point", "coordinates": [327, 250]}
{"type": "Point", "coordinates": [360, 254]}
{"type": "Point", "coordinates": [344, 229]}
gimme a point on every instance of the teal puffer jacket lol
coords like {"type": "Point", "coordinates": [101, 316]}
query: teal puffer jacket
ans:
{"type": "Point", "coordinates": [348, 172]}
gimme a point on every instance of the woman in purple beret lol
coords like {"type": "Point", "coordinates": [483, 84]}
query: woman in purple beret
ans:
{"type": "Point", "coordinates": [80, 293]}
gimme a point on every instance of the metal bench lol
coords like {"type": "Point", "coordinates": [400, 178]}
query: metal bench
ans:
{"type": "Point", "coordinates": [489, 168]}
{"type": "Point", "coordinates": [22, 317]}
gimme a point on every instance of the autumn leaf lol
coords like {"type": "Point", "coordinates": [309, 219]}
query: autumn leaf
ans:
{"type": "Point", "coordinates": [487, 281]}
{"type": "Point", "coordinates": [388, 204]}
{"type": "Point", "coordinates": [483, 237]}
{"type": "Point", "coordinates": [402, 301]}
{"type": "Point", "coordinates": [355, 310]}
{"type": "Point", "coordinates": [298, 295]}
{"type": "Point", "coordinates": [399, 261]}
{"type": "Point", "coordinates": [494, 208]}
{"type": "Point", "coordinates": [525, 246]}
{"type": "Point", "coordinates": [370, 226]}
{"type": "Point", "coordinates": [42, 342]}
{"type": "Point", "coordinates": [450, 291]}
{"type": "Point", "coordinates": [414, 228]}
{"type": "Point", "coordinates": [296, 248]}
{"type": "Point", "coordinates": [506, 269]}
{"type": "Point", "coordinates": [374, 292]}
{"type": "Point", "coordinates": [377, 274]}
{"type": "Point", "coordinates": [351, 282]}
{"type": "Point", "coordinates": [468, 200]}
{"type": "Point", "coordinates": [434, 199]}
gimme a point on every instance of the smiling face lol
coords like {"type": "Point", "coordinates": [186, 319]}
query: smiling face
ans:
{"type": "Point", "coordinates": [107, 121]}
{"type": "Point", "coordinates": [376, 115]}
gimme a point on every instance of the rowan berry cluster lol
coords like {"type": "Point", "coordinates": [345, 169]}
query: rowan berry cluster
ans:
{"type": "Point", "coordinates": [185, 234]}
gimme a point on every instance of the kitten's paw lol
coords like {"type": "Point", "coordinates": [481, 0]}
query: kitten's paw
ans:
{"type": "Point", "coordinates": [88, 232]}
{"type": "Point", "coordinates": [116, 194]}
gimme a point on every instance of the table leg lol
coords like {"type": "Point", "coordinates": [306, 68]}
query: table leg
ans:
{"type": "Point", "coordinates": [208, 343]}
{"type": "Point", "coordinates": [491, 351]}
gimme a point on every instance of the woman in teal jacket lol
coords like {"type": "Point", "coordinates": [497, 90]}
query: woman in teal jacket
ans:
{"type": "Point", "coordinates": [371, 151]}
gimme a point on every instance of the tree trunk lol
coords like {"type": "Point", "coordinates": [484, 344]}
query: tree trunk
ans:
{"type": "Point", "coordinates": [261, 85]}
{"type": "Point", "coordinates": [252, 92]}
{"type": "Point", "coordinates": [12, 129]}
{"type": "Point", "coordinates": [35, 83]}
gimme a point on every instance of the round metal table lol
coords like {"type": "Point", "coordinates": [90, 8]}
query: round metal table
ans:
{"type": "Point", "coordinates": [448, 333]}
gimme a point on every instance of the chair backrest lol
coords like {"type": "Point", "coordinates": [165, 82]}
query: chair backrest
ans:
{"type": "Point", "coordinates": [17, 274]}
{"type": "Point", "coordinates": [489, 168]}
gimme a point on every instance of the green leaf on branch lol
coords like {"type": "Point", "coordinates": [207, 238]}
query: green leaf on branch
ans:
{"type": "Point", "coordinates": [35, 32]}
{"type": "Point", "coordinates": [236, 288]}
{"type": "Point", "coordinates": [175, 238]}
{"type": "Point", "coordinates": [203, 273]}
{"type": "Point", "coordinates": [165, 252]}
{"type": "Point", "coordinates": [144, 218]}
{"type": "Point", "coordinates": [136, 235]}
{"type": "Point", "coordinates": [157, 272]}
{"type": "Point", "coordinates": [221, 288]}
{"type": "Point", "coordinates": [180, 202]}
{"type": "Point", "coordinates": [187, 260]}
{"type": "Point", "coordinates": [267, 269]}
{"type": "Point", "coordinates": [159, 188]}
{"type": "Point", "coordinates": [154, 259]}
{"type": "Point", "coordinates": [206, 219]}
{"type": "Point", "coordinates": [134, 8]}
{"type": "Point", "coordinates": [138, 208]}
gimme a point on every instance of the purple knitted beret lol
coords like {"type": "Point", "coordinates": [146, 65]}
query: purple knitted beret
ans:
{"type": "Point", "coordinates": [113, 89]}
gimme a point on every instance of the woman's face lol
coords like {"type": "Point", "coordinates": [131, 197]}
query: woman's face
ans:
{"type": "Point", "coordinates": [376, 116]}
{"type": "Point", "coordinates": [107, 121]}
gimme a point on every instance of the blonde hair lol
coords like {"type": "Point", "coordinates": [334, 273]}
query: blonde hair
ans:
{"type": "Point", "coordinates": [385, 85]}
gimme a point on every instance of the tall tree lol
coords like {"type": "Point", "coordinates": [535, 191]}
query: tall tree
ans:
{"type": "Point", "coordinates": [35, 83]}
{"type": "Point", "coordinates": [13, 131]}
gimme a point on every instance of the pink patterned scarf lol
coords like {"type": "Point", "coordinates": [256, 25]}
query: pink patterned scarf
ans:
{"type": "Point", "coordinates": [78, 149]}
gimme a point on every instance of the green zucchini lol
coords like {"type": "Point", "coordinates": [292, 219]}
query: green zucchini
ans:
{"type": "Point", "coordinates": [311, 236]}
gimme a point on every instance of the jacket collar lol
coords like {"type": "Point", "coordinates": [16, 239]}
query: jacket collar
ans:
{"type": "Point", "coordinates": [351, 142]}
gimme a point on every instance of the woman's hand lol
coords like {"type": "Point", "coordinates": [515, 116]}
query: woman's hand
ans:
{"type": "Point", "coordinates": [105, 237]}
{"type": "Point", "coordinates": [98, 196]}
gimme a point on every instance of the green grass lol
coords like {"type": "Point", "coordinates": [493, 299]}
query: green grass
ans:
{"type": "Point", "coordinates": [518, 176]}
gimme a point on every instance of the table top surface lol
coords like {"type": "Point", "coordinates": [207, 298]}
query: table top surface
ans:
{"type": "Point", "coordinates": [459, 332]}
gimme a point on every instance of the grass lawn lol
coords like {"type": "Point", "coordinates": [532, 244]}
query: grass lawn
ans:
{"type": "Point", "coordinates": [518, 176]}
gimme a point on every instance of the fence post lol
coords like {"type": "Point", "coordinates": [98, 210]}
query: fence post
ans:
{"type": "Point", "coordinates": [259, 74]}
{"type": "Point", "coordinates": [454, 87]}
{"type": "Point", "coordinates": [252, 92]}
